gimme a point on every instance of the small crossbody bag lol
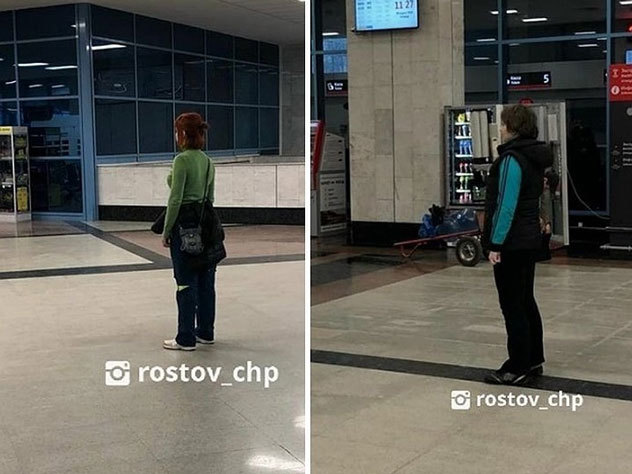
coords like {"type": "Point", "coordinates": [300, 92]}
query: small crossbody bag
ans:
{"type": "Point", "coordinates": [191, 236]}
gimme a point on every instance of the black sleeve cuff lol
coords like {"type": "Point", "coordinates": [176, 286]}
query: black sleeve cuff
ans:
{"type": "Point", "coordinates": [494, 247]}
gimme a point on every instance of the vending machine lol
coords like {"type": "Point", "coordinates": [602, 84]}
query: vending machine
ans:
{"type": "Point", "coordinates": [15, 178]}
{"type": "Point", "coordinates": [472, 136]}
{"type": "Point", "coordinates": [328, 183]}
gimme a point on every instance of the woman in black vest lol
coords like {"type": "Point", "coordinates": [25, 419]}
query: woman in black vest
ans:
{"type": "Point", "coordinates": [513, 237]}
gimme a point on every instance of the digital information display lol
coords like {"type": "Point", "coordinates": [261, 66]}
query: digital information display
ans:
{"type": "Point", "coordinates": [379, 15]}
{"type": "Point", "coordinates": [529, 81]}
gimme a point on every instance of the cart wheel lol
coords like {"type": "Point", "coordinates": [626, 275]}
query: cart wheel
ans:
{"type": "Point", "coordinates": [469, 251]}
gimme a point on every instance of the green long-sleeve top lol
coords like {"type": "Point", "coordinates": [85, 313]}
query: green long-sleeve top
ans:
{"type": "Point", "coordinates": [186, 181]}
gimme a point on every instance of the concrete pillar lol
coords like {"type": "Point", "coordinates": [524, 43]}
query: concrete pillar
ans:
{"type": "Point", "coordinates": [293, 100]}
{"type": "Point", "coordinates": [399, 83]}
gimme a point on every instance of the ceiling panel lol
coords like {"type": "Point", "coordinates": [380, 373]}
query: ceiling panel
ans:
{"type": "Point", "coordinates": [275, 21]}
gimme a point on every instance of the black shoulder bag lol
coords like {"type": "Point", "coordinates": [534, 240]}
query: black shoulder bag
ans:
{"type": "Point", "coordinates": [191, 237]}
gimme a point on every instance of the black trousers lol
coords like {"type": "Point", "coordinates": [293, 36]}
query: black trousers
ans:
{"type": "Point", "coordinates": [515, 281]}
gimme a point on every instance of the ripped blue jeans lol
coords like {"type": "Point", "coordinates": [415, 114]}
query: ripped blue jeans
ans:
{"type": "Point", "coordinates": [195, 297]}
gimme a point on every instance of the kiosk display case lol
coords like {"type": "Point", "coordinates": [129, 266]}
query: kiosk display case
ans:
{"type": "Point", "coordinates": [15, 179]}
{"type": "Point", "coordinates": [472, 136]}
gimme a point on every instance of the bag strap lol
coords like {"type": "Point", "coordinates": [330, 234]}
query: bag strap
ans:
{"type": "Point", "coordinates": [208, 169]}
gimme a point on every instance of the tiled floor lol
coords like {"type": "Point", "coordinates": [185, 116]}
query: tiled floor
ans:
{"type": "Point", "coordinates": [432, 313]}
{"type": "Point", "coordinates": [58, 416]}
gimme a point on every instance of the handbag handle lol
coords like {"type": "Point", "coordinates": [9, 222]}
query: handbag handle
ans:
{"type": "Point", "coordinates": [208, 169]}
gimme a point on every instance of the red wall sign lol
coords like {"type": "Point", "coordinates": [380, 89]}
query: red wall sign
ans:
{"type": "Point", "coordinates": [621, 83]}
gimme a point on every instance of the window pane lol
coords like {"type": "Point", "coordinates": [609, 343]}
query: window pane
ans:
{"type": "Point", "coordinates": [220, 134]}
{"type": "Point", "coordinates": [56, 185]}
{"type": "Point", "coordinates": [246, 50]}
{"type": "Point", "coordinates": [113, 69]}
{"type": "Point", "coordinates": [189, 77]}
{"type": "Point", "coordinates": [269, 132]}
{"type": "Point", "coordinates": [577, 76]}
{"type": "Point", "coordinates": [335, 63]}
{"type": "Point", "coordinates": [48, 68]}
{"type": "Point", "coordinates": [622, 50]}
{"type": "Point", "coordinates": [481, 74]}
{"type": "Point", "coordinates": [45, 22]}
{"type": "Point", "coordinates": [269, 54]}
{"type": "Point", "coordinates": [6, 26]}
{"type": "Point", "coordinates": [115, 127]}
{"type": "Point", "coordinates": [188, 38]}
{"type": "Point", "coordinates": [54, 127]}
{"type": "Point", "coordinates": [269, 86]}
{"type": "Point", "coordinates": [219, 44]}
{"type": "Point", "coordinates": [531, 18]}
{"type": "Point", "coordinates": [153, 32]}
{"type": "Point", "coordinates": [113, 24]}
{"type": "Point", "coordinates": [7, 71]}
{"type": "Point", "coordinates": [246, 84]}
{"type": "Point", "coordinates": [8, 113]}
{"type": "Point", "coordinates": [154, 74]}
{"type": "Point", "coordinates": [246, 127]}
{"type": "Point", "coordinates": [481, 19]}
{"type": "Point", "coordinates": [220, 81]}
{"type": "Point", "coordinates": [155, 127]}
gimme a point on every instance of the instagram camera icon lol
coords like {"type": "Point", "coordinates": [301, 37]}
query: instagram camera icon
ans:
{"type": "Point", "coordinates": [461, 400]}
{"type": "Point", "coordinates": [117, 373]}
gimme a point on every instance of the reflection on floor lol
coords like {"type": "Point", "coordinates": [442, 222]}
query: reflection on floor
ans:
{"type": "Point", "coordinates": [432, 312]}
{"type": "Point", "coordinates": [58, 416]}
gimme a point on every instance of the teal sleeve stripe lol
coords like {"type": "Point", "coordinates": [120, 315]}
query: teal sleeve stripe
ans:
{"type": "Point", "coordinates": [510, 181]}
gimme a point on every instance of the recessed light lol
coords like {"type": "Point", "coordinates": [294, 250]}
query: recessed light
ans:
{"type": "Point", "coordinates": [588, 45]}
{"type": "Point", "coordinates": [625, 2]}
{"type": "Point", "coordinates": [8, 83]}
{"type": "Point", "coordinates": [57, 86]}
{"type": "Point", "coordinates": [101, 47]}
{"type": "Point", "coordinates": [32, 64]}
{"type": "Point", "coordinates": [33, 86]}
{"type": "Point", "coordinates": [509, 12]}
{"type": "Point", "coordinates": [534, 20]}
{"type": "Point", "coordinates": [59, 68]}
{"type": "Point", "coordinates": [585, 32]}
{"type": "Point", "coordinates": [485, 40]}
{"type": "Point", "coordinates": [331, 33]}
{"type": "Point", "coordinates": [481, 58]}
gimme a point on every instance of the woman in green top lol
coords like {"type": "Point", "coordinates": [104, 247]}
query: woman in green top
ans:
{"type": "Point", "coordinates": [191, 178]}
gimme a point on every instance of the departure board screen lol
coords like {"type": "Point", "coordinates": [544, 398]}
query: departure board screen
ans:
{"type": "Point", "coordinates": [377, 15]}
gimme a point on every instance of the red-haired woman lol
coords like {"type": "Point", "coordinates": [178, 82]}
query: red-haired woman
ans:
{"type": "Point", "coordinates": [192, 177]}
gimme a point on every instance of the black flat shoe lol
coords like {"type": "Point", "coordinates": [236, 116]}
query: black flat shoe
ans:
{"type": "Point", "coordinates": [502, 377]}
{"type": "Point", "coordinates": [536, 370]}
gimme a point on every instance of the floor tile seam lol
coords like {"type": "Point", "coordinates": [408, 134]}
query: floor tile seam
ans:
{"type": "Point", "coordinates": [287, 450]}
{"type": "Point", "coordinates": [611, 336]}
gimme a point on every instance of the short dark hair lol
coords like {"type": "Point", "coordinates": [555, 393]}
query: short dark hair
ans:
{"type": "Point", "coordinates": [191, 129]}
{"type": "Point", "coordinates": [520, 120]}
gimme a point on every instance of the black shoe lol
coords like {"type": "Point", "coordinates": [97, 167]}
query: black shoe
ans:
{"type": "Point", "coordinates": [536, 370]}
{"type": "Point", "coordinates": [502, 377]}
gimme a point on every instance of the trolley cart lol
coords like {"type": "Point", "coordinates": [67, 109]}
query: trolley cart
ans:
{"type": "Point", "coordinates": [469, 250]}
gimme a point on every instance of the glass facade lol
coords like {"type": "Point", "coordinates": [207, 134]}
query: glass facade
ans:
{"type": "Point", "coordinates": [144, 72]}
{"type": "Point", "coordinates": [170, 69]}
{"type": "Point", "coordinates": [571, 43]}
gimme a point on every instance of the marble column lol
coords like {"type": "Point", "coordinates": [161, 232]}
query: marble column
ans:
{"type": "Point", "coordinates": [399, 84]}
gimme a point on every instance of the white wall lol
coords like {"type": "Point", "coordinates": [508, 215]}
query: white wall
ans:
{"type": "Point", "coordinates": [264, 185]}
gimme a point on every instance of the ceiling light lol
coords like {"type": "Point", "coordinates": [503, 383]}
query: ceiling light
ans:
{"type": "Point", "coordinates": [485, 40]}
{"type": "Point", "coordinates": [588, 45]}
{"type": "Point", "coordinates": [509, 12]}
{"type": "Point", "coordinates": [57, 86]}
{"type": "Point", "coordinates": [33, 86]}
{"type": "Point", "coordinates": [8, 83]}
{"type": "Point", "coordinates": [331, 33]}
{"type": "Point", "coordinates": [626, 2]}
{"type": "Point", "coordinates": [585, 32]}
{"type": "Point", "coordinates": [101, 47]}
{"type": "Point", "coordinates": [32, 64]}
{"type": "Point", "coordinates": [59, 68]}
{"type": "Point", "coordinates": [534, 20]}
{"type": "Point", "coordinates": [481, 58]}
{"type": "Point", "coordinates": [514, 44]}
